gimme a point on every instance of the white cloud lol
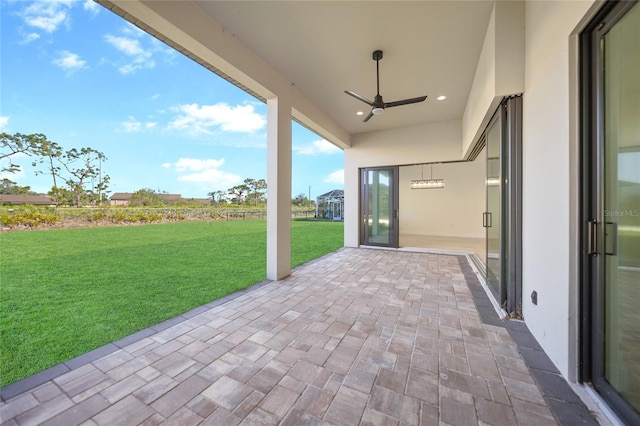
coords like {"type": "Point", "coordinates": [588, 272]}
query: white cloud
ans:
{"type": "Point", "coordinates": [47, 15]}
{"type": "Point", "coordinates": [139, 57]}
{"type": "Point", "coordinates": [131, 125]}
{"type": "Point", "coordinates": [206, 172]}
{"type": "Point", "coordinates": [126, 45]}
{"type": "Point", "coordinates": [196, 165]}
{"type": "Point", "coordinates": [155, 96]}
{"type": "Point", "coordinates": [166, 165]}
{"type": "Point", "coordinates": [132, 30]}
{"type": "Point", "coordinates": [196, 119]}
{"type": "Point", "coordinates": [335, 177]}
{"type": "Point", "coordinates": [69, 62]}
{"type": "Point", "coordinates": [318, 147]}
{"type": "Point", "coordinates": [4, 122]}
{"type": "Point", "coordinates": [91, 6]}
{"type": "Point", "coordinates": [47, 23]}
{"type": "Point", "coordinates": [28, 38]}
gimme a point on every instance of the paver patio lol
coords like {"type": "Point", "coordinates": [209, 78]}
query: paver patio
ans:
{"type": "Point", "coordinates": [360, 336]}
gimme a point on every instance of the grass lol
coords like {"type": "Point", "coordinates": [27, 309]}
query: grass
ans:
{"type": "Point", "coordinates": [66, 292]}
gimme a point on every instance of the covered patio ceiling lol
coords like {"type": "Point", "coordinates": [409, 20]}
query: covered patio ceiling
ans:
{"type": "Point", "coordinates": [323, 48]}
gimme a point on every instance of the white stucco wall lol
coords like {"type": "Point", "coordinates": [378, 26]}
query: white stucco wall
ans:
{"type": "Point", "coordinates": [409, 145]}
{"type": "Point", "coordinates": [500, 70]}
{"type": "Point", "coordinates": [546, 176]}
{"type": "Point", "coordinates": [454, 211]}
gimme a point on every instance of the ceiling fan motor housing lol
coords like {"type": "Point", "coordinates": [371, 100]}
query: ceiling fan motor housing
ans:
{"type": "Point", "coordinates": [378, 105]}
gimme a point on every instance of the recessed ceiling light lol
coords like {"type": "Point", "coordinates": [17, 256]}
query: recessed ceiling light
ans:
{"type": "Point", "coordinates": [442, 97]}
{"type": "Point", "coordinates": [359, 113]}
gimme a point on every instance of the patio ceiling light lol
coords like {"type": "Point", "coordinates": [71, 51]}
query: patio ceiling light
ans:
{"type": "Point", "coordinates": [427, 183]}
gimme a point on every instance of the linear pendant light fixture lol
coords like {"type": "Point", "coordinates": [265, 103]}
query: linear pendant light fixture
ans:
{"type": "Point", "coordinates": [427, 183]}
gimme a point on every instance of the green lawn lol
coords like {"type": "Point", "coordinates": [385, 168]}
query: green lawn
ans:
{"type": "Point", "coordinates": [66, 292]}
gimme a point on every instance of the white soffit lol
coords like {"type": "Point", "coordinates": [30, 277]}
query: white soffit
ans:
{"type": "Point", "coordinates": [324, 47]}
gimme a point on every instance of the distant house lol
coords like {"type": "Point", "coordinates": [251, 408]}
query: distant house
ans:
{"type": "Point", "coordinates": [18, 200]}
{"type": "Point", "coordinates": [120, 199]}
{"type": "Point", "coordinates": [124, 198]}
{"type": "Point", "coordinates": [330, 205]}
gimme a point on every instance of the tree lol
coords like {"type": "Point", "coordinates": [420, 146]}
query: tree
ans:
{"type": "Point", "coordinates": [216, 196]}
{"type": "Point", "coordinates": [9, 187]}
{"type": "Point", "coordinates": [19, 144]}
{"type": "Point", "coordinates": [257, 189]}
{"type": "Point", "coordinates": [76, 168]}
{"type": "Point", "coordinates": [147, 197]}
{"type": "Point", "coordinates": [49, 155]}
{"type": "Point", "coordinates": [238, 193]}
{"type": "Point", "coordinates": [62, 196]}
{"type": "Point", "coordinates": [301, 200]}
{"type": "Point", "coordinates": [82, 167]}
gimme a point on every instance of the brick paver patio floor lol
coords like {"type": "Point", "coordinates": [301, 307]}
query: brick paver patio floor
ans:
{"type": "Point", "coordinates": [360, 336]}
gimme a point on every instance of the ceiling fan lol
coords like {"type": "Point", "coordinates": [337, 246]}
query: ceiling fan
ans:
{"type": "Point", "coordinates": [378, 105]}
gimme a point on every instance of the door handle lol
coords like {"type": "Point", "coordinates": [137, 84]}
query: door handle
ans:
{"type": "Point", "coordinates": [614, 237]}
{"type": "Point", "coordinates": [487, 220]}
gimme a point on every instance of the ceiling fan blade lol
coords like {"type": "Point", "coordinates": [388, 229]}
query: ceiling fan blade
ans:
{"type": "Point", "coordinates": [358, 97]}
{"type": "Point", "coordinates": [368, 117]}
{"type": "Point", "coordinates": [405, 102]}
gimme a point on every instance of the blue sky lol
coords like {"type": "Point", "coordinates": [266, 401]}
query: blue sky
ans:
{"type": "Point", "coordinates": [84, 77]}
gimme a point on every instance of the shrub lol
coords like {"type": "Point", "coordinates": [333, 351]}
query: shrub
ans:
{"type": "Point", "coordinates": [97, 216]}
{"type": "Point", "coordinates": [28, 219]}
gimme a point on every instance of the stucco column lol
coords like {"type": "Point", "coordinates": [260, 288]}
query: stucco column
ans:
{"type": "Point", "coordinates": [278, 187]}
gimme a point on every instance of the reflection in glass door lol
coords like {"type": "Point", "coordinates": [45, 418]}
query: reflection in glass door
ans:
{"type": "Point", "coordinates": [621, 206]}
{"type": "Point", "coordinates": [613, 206]}
{"type": "Point", "coordinates": [492, 220]}
{"type": "Point", "coordinates": [379, 206]}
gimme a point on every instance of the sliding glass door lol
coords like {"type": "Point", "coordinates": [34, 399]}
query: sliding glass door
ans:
{"type": "Point", "coordinates": [379, 206]}
{"type": "Point", "coordinates": [503, 216]}
{"type": "Point", "coordinates": [611, 208]}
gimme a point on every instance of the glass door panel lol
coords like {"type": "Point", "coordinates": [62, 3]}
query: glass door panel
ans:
{"type": "Point", "coordinates": [493, 217]}
{"type": "Point", "coordinates": [379, 206]}
{"type": "Point", "coordinates": [621, 204]}
{"type": "Point", "coordinates": [502, 218]}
